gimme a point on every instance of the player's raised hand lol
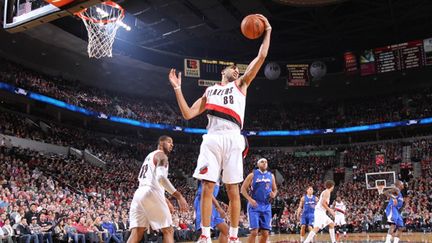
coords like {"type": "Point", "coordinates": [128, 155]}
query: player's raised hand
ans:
{"type": "Point", "coordinates": [174, 79]}
{"type": "Point", "coordinates": [265, 20]}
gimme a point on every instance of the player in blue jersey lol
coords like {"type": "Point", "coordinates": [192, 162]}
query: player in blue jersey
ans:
{"type": "Point", "coordinates": [262, 185]}
{"type": "Point", "coordinates": [217, 217]}
{"type": "Point", "coordinates": [307, 209]}
{"type": "Point", "coordinates": [393, 209]}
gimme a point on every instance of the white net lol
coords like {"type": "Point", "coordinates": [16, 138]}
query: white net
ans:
{"type": "Point", "coordinates": [102, 22]}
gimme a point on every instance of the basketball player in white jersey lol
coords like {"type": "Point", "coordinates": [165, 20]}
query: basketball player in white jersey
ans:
{"type": "Point", "coordinates": [149, 207]}
{"type": "Point", "coordinates": [321, 220]}
{"type": "Point", "coordinates": [340, 212]}
{"type": "Point", "coordinates": [222, 147]}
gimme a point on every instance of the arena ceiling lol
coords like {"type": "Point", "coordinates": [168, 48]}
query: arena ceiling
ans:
{"type": "Point", "coordinates": [165, 31]}
{"type": "Point", "coordinates": [303, 29]}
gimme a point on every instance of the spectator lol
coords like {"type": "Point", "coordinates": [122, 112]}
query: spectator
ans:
{"type": "Point", "coordinates": [111, 230]}
{"type": "Point", "coordinates": [24, 232]}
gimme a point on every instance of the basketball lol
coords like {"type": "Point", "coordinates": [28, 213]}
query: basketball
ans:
{"type": "Point", "coordinates": [252, 27]}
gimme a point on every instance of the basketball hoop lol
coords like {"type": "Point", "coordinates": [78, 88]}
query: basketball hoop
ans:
{"type": "Point", "coordinates": [102, 22]}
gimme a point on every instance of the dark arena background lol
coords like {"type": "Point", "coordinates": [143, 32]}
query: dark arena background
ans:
{"type": "Point", "coordinates": [345, 91]}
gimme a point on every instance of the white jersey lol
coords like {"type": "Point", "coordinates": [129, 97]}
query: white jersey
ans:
{"type": "Point", "coordinates": [147, 175]}
{"type": "Point", "coordinates": [340, 206]}
{"type": "Point", "coordinates": [319, 206]}
{"type": "Point", "coordinates": [225, 107]}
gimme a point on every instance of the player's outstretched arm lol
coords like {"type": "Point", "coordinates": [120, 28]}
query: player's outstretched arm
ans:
{"type": "Point", "coordinates": [187, 112]}
{"type": "Point", "coordinates": [244, 190]}
{"type": "Point", "coordinates": [300, 208]}
{"type": "Point", "coordinates": [255, 65]}
{"type": "Point", "coordinates": [162, 177]}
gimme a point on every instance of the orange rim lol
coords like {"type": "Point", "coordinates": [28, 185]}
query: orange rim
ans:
{"type": "Point", "coordinates": [102, 21]}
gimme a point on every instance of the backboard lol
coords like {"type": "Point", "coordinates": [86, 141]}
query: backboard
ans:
{"type": "Point", "coordinates": [20, 15]}
{"type": "Point", "coordinates": [386, 179]}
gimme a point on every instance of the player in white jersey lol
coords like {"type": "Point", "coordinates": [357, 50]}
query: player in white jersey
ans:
{"type": "Point", "coordinates": [149, 206]}
{"type": "Point", "coordinates": [222, 147]}
{"type": "Point", "coordinates": [321, 220]}
{"type": "Point", "coordinates": [340, 212]}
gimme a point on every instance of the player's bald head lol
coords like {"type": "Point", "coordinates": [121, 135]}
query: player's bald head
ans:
{"type": "Point", "coordinates": [399, 184]}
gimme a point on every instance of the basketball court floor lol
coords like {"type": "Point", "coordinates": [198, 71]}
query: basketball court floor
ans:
{"type": "Point", "coordinates": [356, 237]}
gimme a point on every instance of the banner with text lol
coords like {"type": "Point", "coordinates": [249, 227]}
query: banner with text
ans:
{"type": "Point", "coordinates": [298, 75]}
{"type": "Point", "coordinates": [192, 68]}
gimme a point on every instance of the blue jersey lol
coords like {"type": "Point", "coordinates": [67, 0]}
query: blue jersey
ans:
{"type": "Point", "coordinates": [215, 217]}
{"type": "Point", "coordinates": [400, 201]}
{"type": "Point", "coordinates": [261, 186]}
{"type": "Point", "coordinates": [309, 204]}
{"type": "Point", "coordinates": [398, 205]}
{"type": "Point", "coordinates": [393, 211]}
{"type": "Point", "coordinates": [199, 191]}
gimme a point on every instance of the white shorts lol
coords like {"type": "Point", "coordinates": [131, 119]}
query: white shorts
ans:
{"type": "Point", "coordinates": [149, 208]}
{"type": "Point", "coordinates": [340, 220]}
{"type": "Point", "coordinates": [221, 153]}
{"type": "Point", "coordinates": [321, 220]}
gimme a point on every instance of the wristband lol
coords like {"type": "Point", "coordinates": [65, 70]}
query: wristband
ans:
{"type": "Point", "coordinates": [178, 87]}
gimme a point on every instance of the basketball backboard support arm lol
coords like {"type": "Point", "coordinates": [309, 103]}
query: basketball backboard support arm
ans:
{"type": "Point", "coordinates": [41, 15]}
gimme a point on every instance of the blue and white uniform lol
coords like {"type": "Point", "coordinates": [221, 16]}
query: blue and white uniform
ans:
{"type": "Point", "coordinates": [307, 217]}
{"type": "Point", "coordinates": [215, 217]}
{"type": "Point", "coordinates": [261, 187]}
{"type": "Point", "coordinates": [393, 211]}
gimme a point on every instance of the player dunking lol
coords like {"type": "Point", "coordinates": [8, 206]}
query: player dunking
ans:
{"type": "Point", "coordinates": [321, 219]}
{"type": "Point", "coordinates": [222, 146]}
{"type": "Point", "coordinates": [307, 209]}
{"type": "Point", "coordinates": [394, 219]}
{"type": "Point", "coordinates": [340, 222]}
{"type": "Point", "coordinates": [218, 215]}
{"type": "Point", "coordinates": [149, 207]}
{"type": "Point", "coordinates": [262, 185]}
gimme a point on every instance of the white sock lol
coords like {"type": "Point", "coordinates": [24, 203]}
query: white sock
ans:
{"type": "Point", "coordinates": [301, 238]}
{"type": "Point", "coordinates": [233, 232]}
{"type": "Point", "coordinates": [310, 236]}
{"type": "Point", "coordinates": [205, 231]}
{"type": "Point", "coordinates": [396, 240]}
{"type": "Point", "coordinates": [332, 235]}
{"type": "Point", "coordinates": [388, 238]}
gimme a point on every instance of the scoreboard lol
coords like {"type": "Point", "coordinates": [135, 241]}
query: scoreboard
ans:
{"type": "Point", "coordinates": [208, 69]}
{"type": "Point", "coordinates": [213, 67]}
{"type": "Point", "coordinates": [407, 55]}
